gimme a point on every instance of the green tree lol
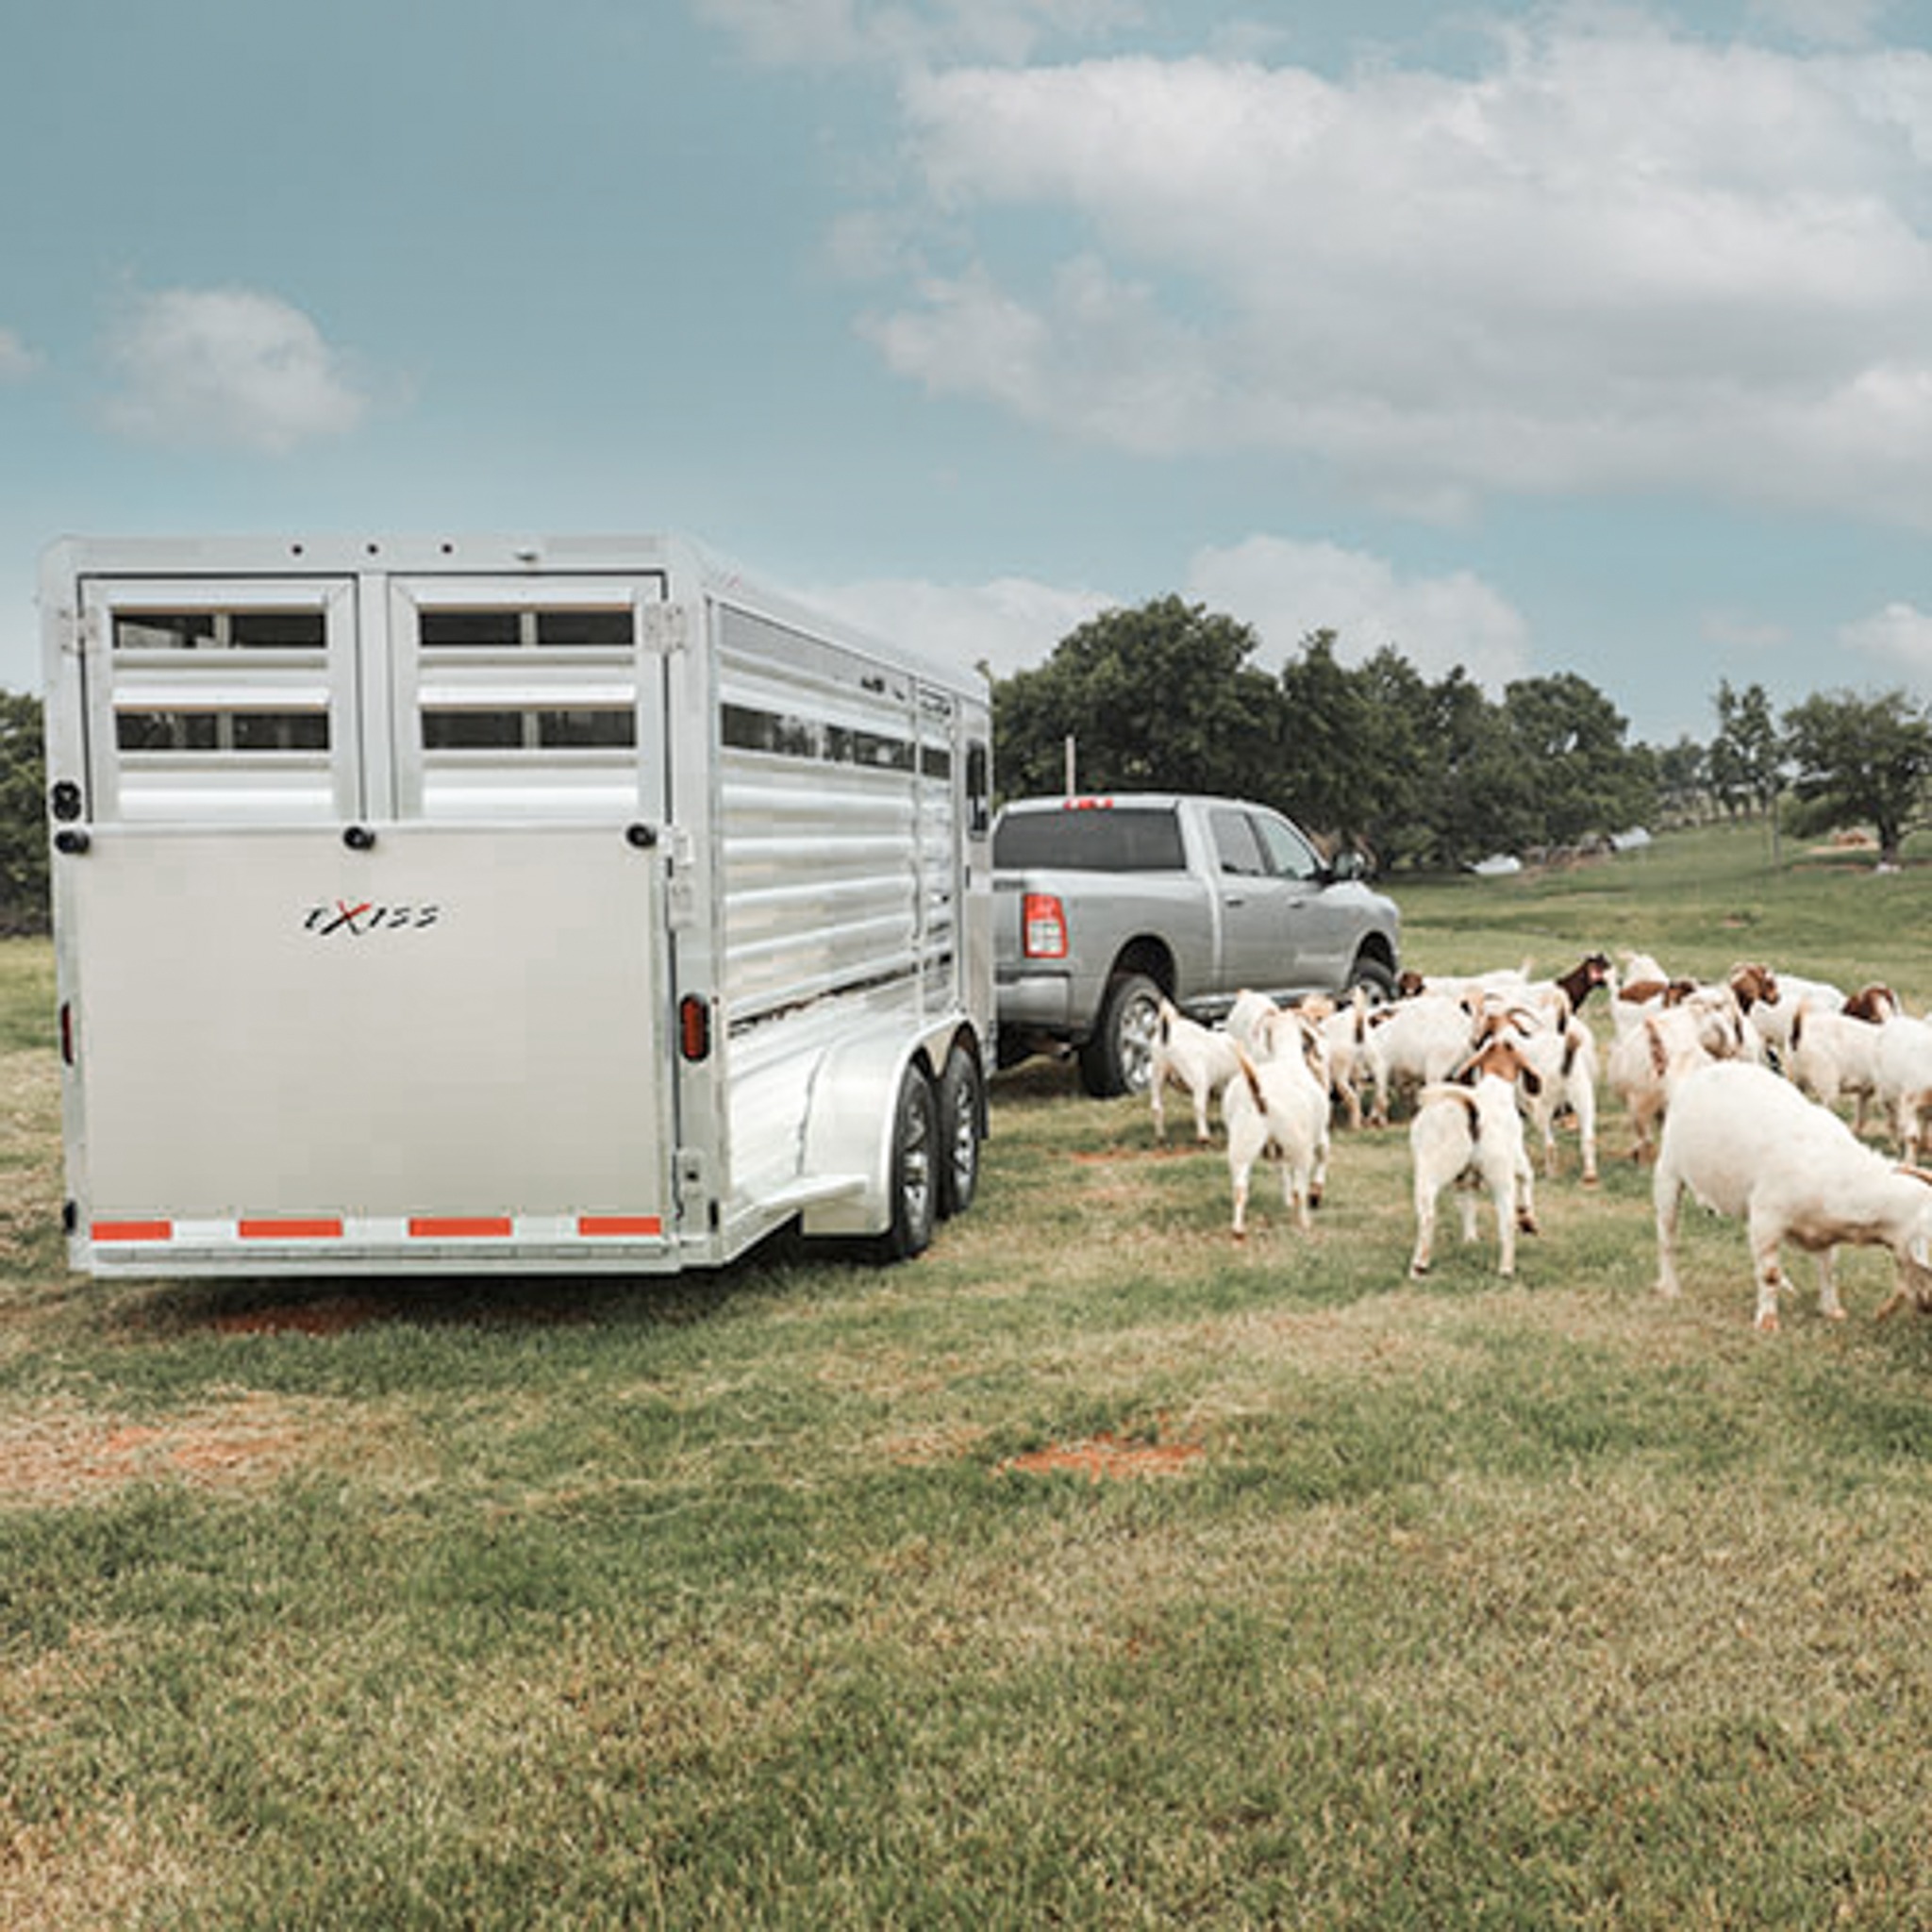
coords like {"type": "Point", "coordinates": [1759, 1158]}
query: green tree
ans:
{"type": "Point", "coordinates": [1862, 758]}
{"type": "Point", "coordinates": [1482, 797]}
{"type": "Point", "coordinates": [1747, 756]}
{"type": "Point", "coordinates": [1683, 779]}
{"type": "Point", "coordinates": [1397, 808]}
{"type": "Point", "coordinates": [1158, 697]}
{"type": "Point", "coordinates": [1328, 770]}
{"type": "Point", "coordinates": [1569, 738]}
{"type": "Point", "coordinates": [22, 815]}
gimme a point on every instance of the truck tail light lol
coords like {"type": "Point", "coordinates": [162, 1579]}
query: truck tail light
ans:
{"type": "Point", "coordinates": [1043, 928]}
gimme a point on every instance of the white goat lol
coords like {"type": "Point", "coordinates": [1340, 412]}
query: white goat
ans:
{"type": "Point", "coordinates": [1283, 1104]}
{"type": "Point", "coordinates": [1188, 1055]}
{"type": "Point", "coordinates": [1472, 1135]}
{"type": "Point", "coordinates": [1252, 1014]}
{"type": "Point", "coordinates": [1561, 1050]}
{"type": "Point", "coordinates": [1901, 1073]}
{"type": "Point", "coordinates": [1748, 1145]}
{"type": "Point", "coordinates": [1345, 1033]}
{"type": "Point", "coordinates": [1835, 1054]}
{"type": "Point", "coordinates": [1419, 1040]}
{"type": "Point", "coordinates": [1645, 1062]}
{"type": "Point", "coordinates": [1772, 1018]}
{"type": "Point", "coordinates": [1638, 991]}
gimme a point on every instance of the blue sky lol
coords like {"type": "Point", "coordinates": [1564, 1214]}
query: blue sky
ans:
{"type": "Point", "coordinates": [1527, 338]}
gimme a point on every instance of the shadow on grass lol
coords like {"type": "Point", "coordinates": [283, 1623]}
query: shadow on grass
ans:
{"type": "Point", "coordinates": [330, 1305]}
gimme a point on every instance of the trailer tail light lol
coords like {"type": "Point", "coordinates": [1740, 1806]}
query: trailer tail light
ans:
{"type": "Point", "coordinates": [695, 1027]}
{"type": "Point", "coordinates": [1043, 928]}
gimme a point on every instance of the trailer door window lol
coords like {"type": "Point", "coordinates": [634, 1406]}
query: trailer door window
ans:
{"type": "Point", "coordinates": [223, 702]}
{"type": "Point", "coordinates": [514, 699]}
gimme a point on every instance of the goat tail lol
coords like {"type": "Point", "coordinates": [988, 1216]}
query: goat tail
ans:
{"type": "Point", "coordinates": [1250, 1073]}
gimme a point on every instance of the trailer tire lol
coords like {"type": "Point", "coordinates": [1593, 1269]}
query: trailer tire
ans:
{"type": "Point", "coordinates": [914, 1170]}
{"type": "Point", "coordinates": [962, 1108]}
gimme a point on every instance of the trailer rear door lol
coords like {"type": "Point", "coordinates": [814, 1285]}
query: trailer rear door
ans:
{"type": "Point", "coordinates": [374, 954]}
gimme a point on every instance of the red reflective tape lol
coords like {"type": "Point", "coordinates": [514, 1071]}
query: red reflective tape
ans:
{"type": "Point", "coordinates": [437, 1226]}
{"type": "Point", "coordinates": [621, 1223]}
{"type": "Point", "coordinates": [133, 1230]}
{"type": "Point", "coordinates": [264, 1229]}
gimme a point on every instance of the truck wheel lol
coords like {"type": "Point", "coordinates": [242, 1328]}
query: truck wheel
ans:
{"type": "Point", "coordinates": [1119, 1057]}
{"type": "Point", "coordinates": [1375, 978]}
{"type": "Point", "coordinates": [960, 1112]}
{"type": "Point", "coordinates": [915, 1152]}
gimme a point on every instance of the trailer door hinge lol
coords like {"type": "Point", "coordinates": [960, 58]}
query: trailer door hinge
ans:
{"type": "Point", "coordinates": [680, 895]}
{"type": "Point", "coordinates": [664, 627]}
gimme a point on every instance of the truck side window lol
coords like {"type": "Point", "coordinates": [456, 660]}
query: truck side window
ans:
{"type": "Point", "coordinates": [1290, 855]}
{"type": "Point", "coordinates": [1236, 845]}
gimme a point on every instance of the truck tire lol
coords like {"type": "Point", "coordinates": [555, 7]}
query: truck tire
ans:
{"type": "Point", "coordinates": [961, 1110]}
{"type": "Point", "coordinates": [1375, 978]}
{"type": "Point", "coordinates": [915, 1167]}
{"type": "Point", "coordinates": [1120, 1055]}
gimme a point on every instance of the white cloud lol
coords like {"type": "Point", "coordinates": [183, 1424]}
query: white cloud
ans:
{"type": "Point", "coordinates": [837, 33]}
{"type": "Point", "coordinates": [1617, 259]}
{"type": "Point", "coordinates": [1009, 625]}
{"type": "Point", "coordinates": [1283, 589]}
{"type": "Point", "coordinates": [1898, 639]}
{"type": "Point", "coordinates": [17, 361]}
{"type": "Point", "coordinates": [228, 367]}
{"type": "Point", "coordinates": [1287, 589]}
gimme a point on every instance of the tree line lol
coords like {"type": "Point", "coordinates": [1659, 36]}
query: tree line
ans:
{"type": "Point", "coordinates": [1421, 774]}
{"type": "Point", "coordinates": [1434, 774]}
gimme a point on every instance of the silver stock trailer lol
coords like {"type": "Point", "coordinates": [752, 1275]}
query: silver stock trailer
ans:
{"type": "Point", "coordinates": [473, 905]}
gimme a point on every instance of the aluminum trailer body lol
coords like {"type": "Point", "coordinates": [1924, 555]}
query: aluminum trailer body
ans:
{"type": "Point", "coordinates": [466, 905]}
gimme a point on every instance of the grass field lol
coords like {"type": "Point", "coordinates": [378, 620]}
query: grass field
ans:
{"type": "Point", "coordinates": [1090, 1571]}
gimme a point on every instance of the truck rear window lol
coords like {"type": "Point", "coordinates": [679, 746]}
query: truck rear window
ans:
{"type": "Point", "coordinates": [1115, 839]}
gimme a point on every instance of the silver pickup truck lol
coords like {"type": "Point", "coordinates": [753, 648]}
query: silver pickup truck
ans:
{"type": "Point", "coordinates": [1103, 905]}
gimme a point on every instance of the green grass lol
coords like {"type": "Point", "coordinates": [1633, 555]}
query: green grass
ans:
{"type": "Point", "coordinates": [727, 1600]}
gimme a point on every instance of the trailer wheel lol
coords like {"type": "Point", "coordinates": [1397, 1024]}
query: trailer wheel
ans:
{"type": "Point", "coordinates": [915, 1169]}
{"type": "Point", "coordinates": [961, 1110]}
{"type": "Point", "coordinates": [1120, 1055]}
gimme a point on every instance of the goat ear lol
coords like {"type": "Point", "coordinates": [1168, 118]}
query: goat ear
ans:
{"type": "Point", "coordinates": [1532, 1081]}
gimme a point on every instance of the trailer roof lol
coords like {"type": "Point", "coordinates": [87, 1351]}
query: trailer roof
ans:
{"type": "Point", "coordinates": [691, 566]}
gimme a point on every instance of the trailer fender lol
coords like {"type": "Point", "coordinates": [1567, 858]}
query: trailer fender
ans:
{"type": "Point", "coordinates": [851, 1115]}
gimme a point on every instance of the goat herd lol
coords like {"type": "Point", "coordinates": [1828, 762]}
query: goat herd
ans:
{"type": "Point", "coordinates": [1732, 1087]}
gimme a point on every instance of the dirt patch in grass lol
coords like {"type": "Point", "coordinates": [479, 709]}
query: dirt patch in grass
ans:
{"type": "Point", "coordinates": [63, 1456]}
{"type": "Point", "coordinates": [1107, 1457]}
